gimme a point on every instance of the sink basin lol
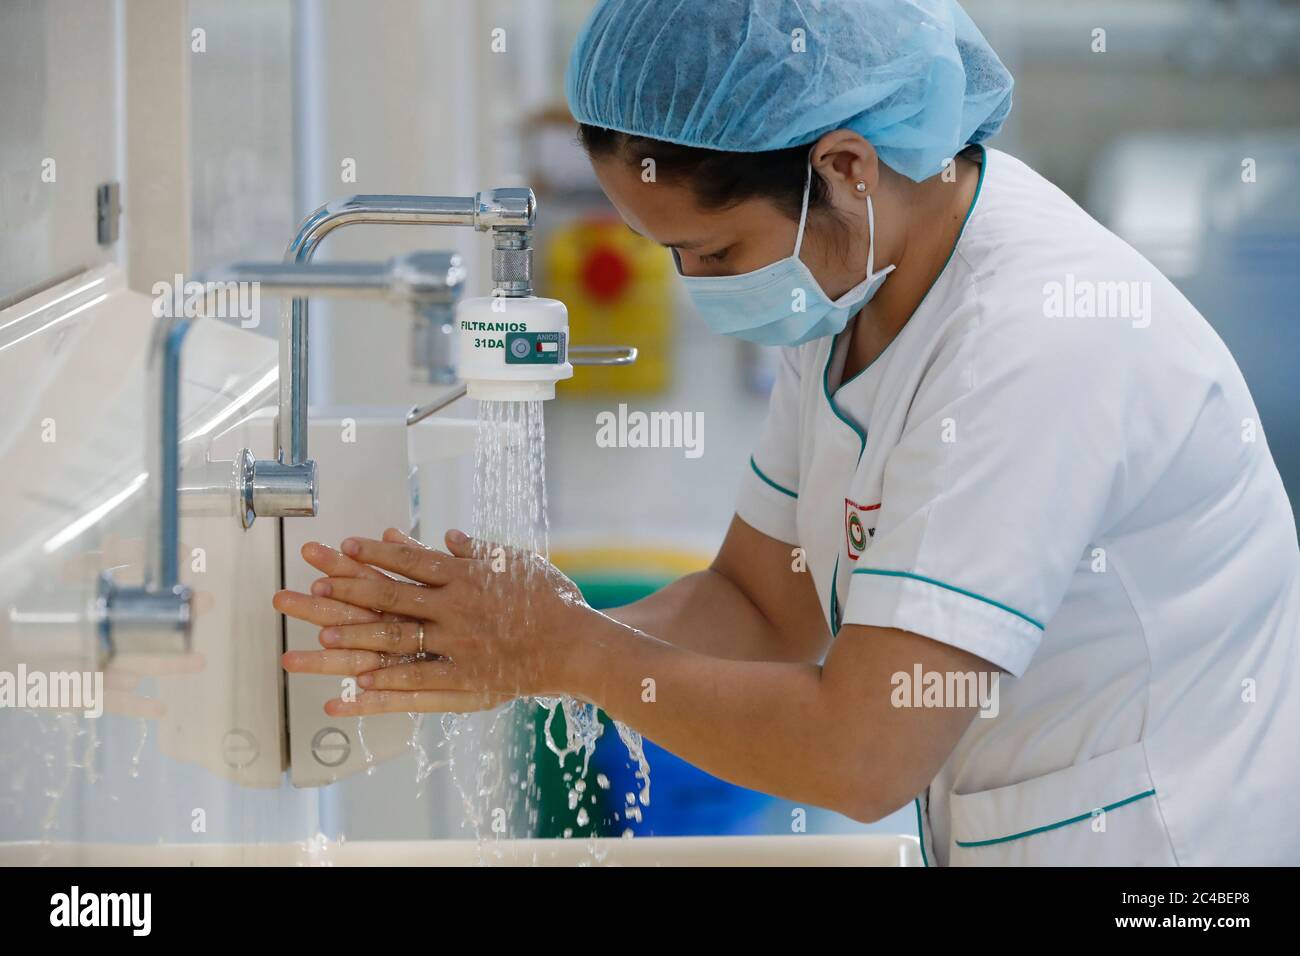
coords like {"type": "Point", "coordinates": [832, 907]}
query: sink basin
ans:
{"type": "Point", "coordinates": [855, 850]}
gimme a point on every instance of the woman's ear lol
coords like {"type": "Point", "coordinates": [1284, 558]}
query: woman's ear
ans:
{"type": "Point", "coordinates": [844, 160]}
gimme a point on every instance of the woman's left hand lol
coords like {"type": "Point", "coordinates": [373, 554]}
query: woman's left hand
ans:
{"type": "Point", "coordinates": [496, 624]}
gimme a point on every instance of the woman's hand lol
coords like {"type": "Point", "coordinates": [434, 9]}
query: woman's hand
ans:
{"type": "Point", "coordinates": [496, 624]}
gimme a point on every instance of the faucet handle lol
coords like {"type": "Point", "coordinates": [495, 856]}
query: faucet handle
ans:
{"type": "Point", "coordinates": [142, 620]}
{"type": "Point", "coordinates": [275, 489]}
{"type": "Point", "coordinates": [602, 354]}
{"type": "Point", "coordinates": [507, 207]}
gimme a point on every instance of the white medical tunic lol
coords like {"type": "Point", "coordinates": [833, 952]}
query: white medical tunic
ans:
{"type": "Point", "coordinates": [1057, 466]}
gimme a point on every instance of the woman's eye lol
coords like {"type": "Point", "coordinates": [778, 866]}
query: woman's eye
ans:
{"type": "Point", "coordinates": [715, 256]}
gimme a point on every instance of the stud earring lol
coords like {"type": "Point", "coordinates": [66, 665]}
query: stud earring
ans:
{"type": "Point", "coordinates": [861, 187]}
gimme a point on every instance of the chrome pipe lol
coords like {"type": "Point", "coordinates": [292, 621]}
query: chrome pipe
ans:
{"type": "Point", "coordinates": [357, 279]}
{"type": "Point", "coordinates": [613, 355]}
{"type": "Point", "coordinates": [155, 617]}
{"type": "Point", "coordinates": [420, 412]}
{"type": "Point", "coordinates": [419, 278]}
{"type": "Point", "coordinates": [165, 469]}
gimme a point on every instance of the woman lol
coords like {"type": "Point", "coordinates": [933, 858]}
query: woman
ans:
{"type": "Point", "coordinates": [1000, 444]}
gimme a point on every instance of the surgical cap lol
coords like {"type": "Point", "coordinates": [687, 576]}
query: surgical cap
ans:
{"type": "Point", "coordinates": [915, 78]}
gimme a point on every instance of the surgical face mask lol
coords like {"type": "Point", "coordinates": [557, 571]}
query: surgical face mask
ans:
{"type": "Point", "coordinates": [782, 303]}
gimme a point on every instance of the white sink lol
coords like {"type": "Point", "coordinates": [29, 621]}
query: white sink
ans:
{"type": "Point", "coordinates": [855, 850]}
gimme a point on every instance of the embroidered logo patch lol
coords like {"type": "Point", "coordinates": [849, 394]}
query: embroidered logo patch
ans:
{"type": "Point", "coordinates": [859, 526]}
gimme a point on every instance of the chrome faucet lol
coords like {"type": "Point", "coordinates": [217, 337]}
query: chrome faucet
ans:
{"type": "Point", "coordinates": [286, 485]}
{"type": "Point", "coordinates": [156, 616]}
{"type": "Point", "coordinates": [430, 282]}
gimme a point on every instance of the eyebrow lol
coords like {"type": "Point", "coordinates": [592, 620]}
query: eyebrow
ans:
{"type": "Point", "coordinates": [674, 245]}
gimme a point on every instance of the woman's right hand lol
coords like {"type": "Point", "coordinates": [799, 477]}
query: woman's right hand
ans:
{"type": "Point", "coordinates": [326, 612]}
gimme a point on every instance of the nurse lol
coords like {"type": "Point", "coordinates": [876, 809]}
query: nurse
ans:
{"type": "Point", "coordinates": [1011, 545]}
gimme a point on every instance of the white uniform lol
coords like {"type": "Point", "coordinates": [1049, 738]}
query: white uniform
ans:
{"type": "Point", "coordinates": [1085, 500]}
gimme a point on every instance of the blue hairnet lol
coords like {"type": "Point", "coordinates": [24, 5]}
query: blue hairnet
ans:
{"type": "Point", "coordinates": [916, 78]}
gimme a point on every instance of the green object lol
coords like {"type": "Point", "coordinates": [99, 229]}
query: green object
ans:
{"type": "Point", "coordinates": [602, 590]}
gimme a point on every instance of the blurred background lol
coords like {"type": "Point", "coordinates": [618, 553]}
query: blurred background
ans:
{"type": "Point", "coordinates": [1177, 125]}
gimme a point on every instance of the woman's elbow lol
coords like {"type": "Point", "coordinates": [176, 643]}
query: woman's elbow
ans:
{"type": "Point", "coordinates": [871, 795]}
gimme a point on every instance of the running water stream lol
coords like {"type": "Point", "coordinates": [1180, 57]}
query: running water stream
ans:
{"type": "Point", "coordinates": [511, 534]}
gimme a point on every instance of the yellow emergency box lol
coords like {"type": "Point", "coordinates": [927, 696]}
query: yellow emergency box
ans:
{"type": "Point", "coordinates": [618, 289]}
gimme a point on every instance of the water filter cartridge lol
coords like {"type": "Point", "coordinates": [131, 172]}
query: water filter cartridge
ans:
{"type": "Point", "coordinates": [513, 349]}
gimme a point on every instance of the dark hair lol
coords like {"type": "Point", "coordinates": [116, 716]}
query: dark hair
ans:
{"type": "Point", "coordinates": [718, 179]}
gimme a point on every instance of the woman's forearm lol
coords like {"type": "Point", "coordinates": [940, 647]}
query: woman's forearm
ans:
{"type": "Point", "coordinates": [706, 612]}
{"type": "Point", "coordinates": [765, 725]}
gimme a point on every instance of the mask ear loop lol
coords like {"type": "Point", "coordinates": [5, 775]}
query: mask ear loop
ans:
{"type": "Point", "coordinates": [803, 214]}
{"type": "Point", "coordinates": [871, 244]}
{"type": "Point", "coordinates": [871, 239]}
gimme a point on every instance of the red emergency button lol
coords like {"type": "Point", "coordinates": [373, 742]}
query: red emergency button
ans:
{"type": "Point", "coordinates": [605, 274]}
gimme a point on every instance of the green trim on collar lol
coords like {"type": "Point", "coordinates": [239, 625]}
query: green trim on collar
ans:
{"type": "Point", "coordinates": [835, 598]}
{"type": "Point", "coordinates": [830, 399]}
{"type": "Point", "coordinates": [826, 371]}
